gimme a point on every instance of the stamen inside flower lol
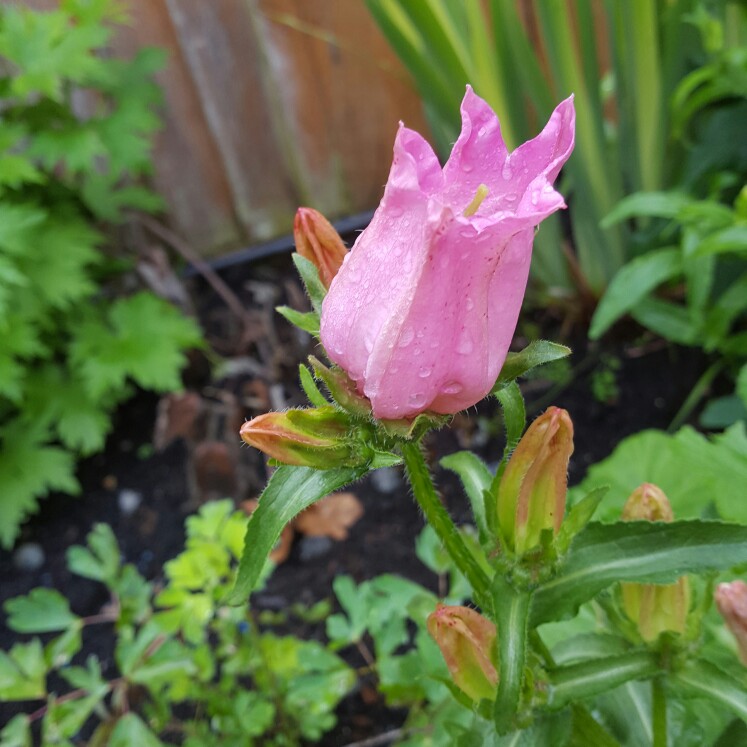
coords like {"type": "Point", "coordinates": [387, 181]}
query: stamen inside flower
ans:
{"type": "Point", "coordinates": [474, 206]}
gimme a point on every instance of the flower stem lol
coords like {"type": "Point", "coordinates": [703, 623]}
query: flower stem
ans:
{"type": "Point", "coordinates": [437, 516]}
{"type": "Point", "coordinates": [659, 712]}
{"type": "Point", "coordinates": [512, 617]}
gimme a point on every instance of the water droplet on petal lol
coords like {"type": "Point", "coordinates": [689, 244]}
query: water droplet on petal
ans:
{"type": "Point", "coordinates": [465, 346]}
{"type": "Point", "coordinates": [452, 387]}
{"type": "Point", "coordinates": [417, 400]}
{"type": "Point", "coordinates": [407, 336]}
{"type": "Point", "coordinates": [469, 303]}
{"type": "Point", "coordinates": [425, 372]}
{"type": "Point", "coordinates": [511, 197]}
{"type": "Point", "coordinates": [394, 211]}
{"type": "Point", "coordinates": [535, 197]}
{"type": "Point", "coordinates": [467, 233]}
{"type": "Point", "coordinates": [466, 166]}
{"type": "Point", "coordinates": [481, 132]}
{"type": "Point", "coordinates": [507, 171]}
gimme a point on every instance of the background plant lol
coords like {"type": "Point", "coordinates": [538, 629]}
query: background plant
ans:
{"type": "Point", "coordinates": [184, 663]}
{"type": "Point", "coordinates": [623, 64]}
{"type": "Point", "coordinates": [75, 137]}
{"type": "Point", "coordinates": [688, 283]}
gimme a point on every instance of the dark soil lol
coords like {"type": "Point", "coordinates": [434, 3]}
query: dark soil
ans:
{"type": "Point", "coordinates": [651, 383]}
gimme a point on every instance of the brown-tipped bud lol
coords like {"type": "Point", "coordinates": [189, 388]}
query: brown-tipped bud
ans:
{"type": "Point", "coordinates": [647, 503]}
{"type": "Point", "coordinates": [532, 492]}
{"type": "Point", "coordinates": [313, 437]}
{"type": "Point", "coordinates": [731, 600]}
{"type": "Point", "coordinates": [467, 642]}
{"type": "Point", "coordinates": [317, 241]}
{"type": "Point", "coordinates": [655, 608]}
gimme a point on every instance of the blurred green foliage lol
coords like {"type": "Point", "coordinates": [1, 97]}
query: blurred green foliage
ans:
{"type": "Point", "coordinates": [184, 663]}
{"type": "Point", "coordinates": [75, 140]}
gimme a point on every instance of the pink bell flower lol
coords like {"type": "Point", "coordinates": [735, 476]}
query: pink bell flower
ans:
{"type": "Point", "coordinates": [422, 312]}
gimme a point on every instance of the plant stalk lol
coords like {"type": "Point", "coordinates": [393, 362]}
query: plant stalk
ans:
{"type": "Point", "coordinates": [438, 517]}
{"type": "Point", "coordinates": [659, 712]}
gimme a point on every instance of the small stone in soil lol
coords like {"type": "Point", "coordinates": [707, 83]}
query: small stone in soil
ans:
{"type": "Point", "coordinates": [313, 547]}
{"type": "Point", "coordinates": [129, 501]}
{"type": "Point", "coordinates": [29, 557]}
{"type": "Point", "coordinates": [386, 480]}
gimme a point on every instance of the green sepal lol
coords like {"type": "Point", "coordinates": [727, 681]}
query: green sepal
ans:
{"type": "Point", "coordinates": [289, 491]}
{"type": "Point", "coordinates": [310, 388]}
{"type": "Point", "coordinates": [414, 430]}
{"type": "Point", "coordinates": [578, 517]}
{"type": "Point", "coordinates": [379, 459]}
{"type": "Point", "coordinates": [313, 284]}
{"type": "Point", "coordinates": [308, 321]}
{"type": "Point", "coordinates": [535, 354]}
{"type": "Point", "coordinates": [341, 388]}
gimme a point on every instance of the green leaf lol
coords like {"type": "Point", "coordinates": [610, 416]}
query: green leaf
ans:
{"type": "Point", "coordinates": [741, 387]}
{"type": "Point", "coordinates": [17, 732]}
{"type": "Point", "coordinates": [704, 679]}
{"type": "Point", "coordinates": [640, 551]}
{"type": "Point", "coordinates": [694, 471]}
{"type": "Point", "coordinates": [592, 677]}
{"type": "Point", "coordinates": [666, 319]}
{"type": "Point", "coordinates": [731, 239]}
{"type": "Point", "coordinates": [41, 611]}
{"type": "Point", "coordinates": [100, 561]}
{"type": "Point", "coordinates": [535, 354]}
{"type": "Point", "coordinates": [23, 672]}
{"type": "Point", "coordinates": [289, 491]}
{"type": "Point", "coordinates": [307, 321]}
{"type": "Point", "coordinates": [476, 479]}
{"type": "Point", "coordinates": [130, 730]}
{"type": "Point", "coordinates": [310, 276]}
{"type": "Point", "coordinates": [631, 284]}
{"type": "Point", "coordinates": [648, 204]}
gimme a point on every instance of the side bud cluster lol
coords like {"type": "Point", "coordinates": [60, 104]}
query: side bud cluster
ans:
{"type": "Point", "coordinates": [655, 608]}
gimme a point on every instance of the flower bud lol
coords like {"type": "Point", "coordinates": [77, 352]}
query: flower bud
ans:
{"type": "Point", "coordinates": [467, 641]}
{"type": "Point", "coordinates": [655, 608]}
{"type": "Point", "coordinates": [313, 437]}
{"type": "Point", "coordinates": [317, 241]}
{"type": "Point", "coordinates": [731, 600]}
{"type": "Point", "coordinates": [532, 492]}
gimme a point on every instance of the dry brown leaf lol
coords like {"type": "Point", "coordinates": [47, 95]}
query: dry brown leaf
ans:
{"type": "Point", "coordinates": [330, 517]}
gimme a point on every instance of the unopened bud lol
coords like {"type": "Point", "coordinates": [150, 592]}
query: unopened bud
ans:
{"type": "Point", "coordinates": [532, 492]}
{"type": "Point", "coordinates": [313, 437]}
{"type": "Point", "coordinates": [317, 241]}
{"type": "Point", "coordinates": [731, 600]}
{"type": "Point", "coordinates": [655, 608]}
{"type": "Point", "coordinates": [467, 642]}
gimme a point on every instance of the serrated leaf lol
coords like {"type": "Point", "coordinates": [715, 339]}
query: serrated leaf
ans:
{"type": "Point", "coordinates": [289, 491]}
{"type": "Point", "coordinates": [641, 552]}
{"type": "Point", "coordinates": [40, 611]}
{"type": "Point", "coordinates": [100, 560]}
{"type": "Point", "coordinates": [535, 354]}
{"type": "Point", "coordinates": [633, 283]}
{"type": "Point", "coordinates": [130, 730]}
{"type": "Point", "coordinates": [23, 672]}
{"type": "Point", "coordinates": [17, 732]}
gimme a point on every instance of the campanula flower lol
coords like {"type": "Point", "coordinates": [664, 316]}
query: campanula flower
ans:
{"type": "Point", "coordinates": [423, 309]}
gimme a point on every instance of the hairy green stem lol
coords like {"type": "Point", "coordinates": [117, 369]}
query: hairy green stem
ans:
{"type": "Point", "coordinates": [659, 712]}
{"type": "Point", "coordinates": [438, 517]}
{"type": "Point", "coordinates": [512, 616]}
